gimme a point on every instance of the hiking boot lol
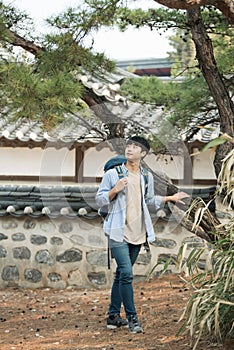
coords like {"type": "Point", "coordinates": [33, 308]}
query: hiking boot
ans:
{"type": "Point", "coordinates": [134, 325]}
{"type": "Point", "coordinates": [114, 321]}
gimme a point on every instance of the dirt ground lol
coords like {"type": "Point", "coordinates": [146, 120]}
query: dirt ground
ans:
{"type": "Point", "coordinates": [75, 319]}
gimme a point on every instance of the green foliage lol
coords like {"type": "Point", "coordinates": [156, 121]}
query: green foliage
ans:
{"type": "Point", "coordinates": [193, 99]}
{"type": "Point", "coordinates": [210, 309]}
{"type": "Point", "coordinates": [226, 178]}
{"type": "Point", "coordinates": [45, 87]}
{"type": "Point", "coordinates": [161, 18]}
{"type": "Point", "coordinates": [183, 55]}
{"type": "Point", "coordinates": [221, 34]}
{"type": "Point", "coordinates": [61, 53]}
{"type": "Point", "coordinates": [13, 19]}
{"type": "Point", "coordinates": [213, 143]}
{"type": "Point", "coordinates": [36, 96]}
{"type": "Point", "coordinates": [164, 18]}
{"type": "Point", "coordinates": [182, 103]}
{"type": "Point", "coordinates": [224, 53]}
{"type": "Point", "coordinates": [85, 18]}
{"type": "Point", "coordinates": [10, 15]}
{"type": "Point", "coordinates": [150, 90]}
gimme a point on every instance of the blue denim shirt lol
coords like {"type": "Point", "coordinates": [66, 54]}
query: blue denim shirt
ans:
{"type": "Point", "coordinates": [114, 223]}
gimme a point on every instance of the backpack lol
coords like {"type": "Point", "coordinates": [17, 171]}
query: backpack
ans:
{"type": "Point", "coordinates": [116, 162]}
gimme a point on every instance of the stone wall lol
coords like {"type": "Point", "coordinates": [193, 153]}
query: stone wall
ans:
{"type": "Point", "coordinates": [59, 253]}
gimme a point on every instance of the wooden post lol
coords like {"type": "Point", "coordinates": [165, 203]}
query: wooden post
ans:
{"type": "Point", "coordinates": [79, 164]}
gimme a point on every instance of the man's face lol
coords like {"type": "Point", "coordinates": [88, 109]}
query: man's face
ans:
{"type": "Point", "coordinates": [133, 152]}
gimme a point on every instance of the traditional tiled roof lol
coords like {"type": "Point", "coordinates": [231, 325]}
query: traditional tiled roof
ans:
{"type": "Point", "coordinates": [82, 128]}
{"type": "Point", "coordinates": [71, 130]}
{"type": "Point", "coordinates": [65, 201]}
{"type": "Point", "coordinates": [149, 118]}
{"type": "Point", "coordinates": [159, 67]}
{"type": "Point", "coordinates": [107, 84]}
{"type": "Point", "coordinates": [51, 201]}
{"type": "Point", "coordinates": [203, 134]}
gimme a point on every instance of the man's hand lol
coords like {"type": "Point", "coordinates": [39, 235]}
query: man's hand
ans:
{"type": "Point", "coordinates": [119, 186]}
{"type": "Point", "coordinates": [177, 197]}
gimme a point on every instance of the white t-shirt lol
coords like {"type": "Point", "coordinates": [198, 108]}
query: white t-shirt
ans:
{"type": "Point", "coordinates": [134, 230]}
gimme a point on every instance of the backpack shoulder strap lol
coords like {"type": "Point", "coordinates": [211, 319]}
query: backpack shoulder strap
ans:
{"type": "Point", "coordinates": [145, 173]}
{"type": "Point", "coordinates": [120, 172]}
{"type": "Point", "coordinates": [146, 178]}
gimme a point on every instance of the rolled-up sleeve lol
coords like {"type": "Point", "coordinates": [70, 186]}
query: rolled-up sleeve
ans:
{"type": "Point", "coordinates": [108, 182]}
{"type": "Point", "coordinates": [102, 196]}
{"type": "Point", "coordinates": [153, 201]}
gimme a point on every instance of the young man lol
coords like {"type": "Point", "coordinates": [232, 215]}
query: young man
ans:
{"type": "Point", "coordinates": [128, 225]}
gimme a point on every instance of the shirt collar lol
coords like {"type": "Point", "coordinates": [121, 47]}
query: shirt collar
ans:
{"type": "Point", "coordinates": [126, 170]}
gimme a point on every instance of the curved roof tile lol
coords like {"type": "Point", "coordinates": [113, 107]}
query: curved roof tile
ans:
{"type": "Point", "coordinates": [80, 128]}
{"type": "Point", "coordinates": [62, 201]}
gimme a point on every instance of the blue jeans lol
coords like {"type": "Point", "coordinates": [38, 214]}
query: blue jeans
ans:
{"type": "Point", "coordinates": [125, 255]}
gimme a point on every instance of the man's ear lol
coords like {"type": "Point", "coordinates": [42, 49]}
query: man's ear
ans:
{"type": "Point", "coordinates": [143, 154]}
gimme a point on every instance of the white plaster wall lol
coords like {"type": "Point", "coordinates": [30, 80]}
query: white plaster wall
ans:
{"type": "Point", "coordinates": [203, 167]}
{"type": "Point", "coordinates": [34, 162]}
{"type": "Point", "coordinates": [53, 162]}
{"type": "Point", "coordinates": [94, 161]}
{"type": "Point", "coordinates": [172, 167]}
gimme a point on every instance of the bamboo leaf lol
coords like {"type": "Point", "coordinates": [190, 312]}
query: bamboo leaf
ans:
{"type": "Point", "coordinates": [213, 143]}
{"type": "Point", "coordinates": [217, 330]}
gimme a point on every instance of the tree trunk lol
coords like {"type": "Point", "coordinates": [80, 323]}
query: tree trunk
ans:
{"type": "Point", "coordinates": [114, 124]}
{"type": "Point", "coordinates": [225, 6]}
{"type": "Point", "coordinates": [207, 64]}
{"type": "Point", "coordinates": [17, 40]}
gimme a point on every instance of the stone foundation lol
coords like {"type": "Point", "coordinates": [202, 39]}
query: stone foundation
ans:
{"type": "Point", "coordinates": [44, 252]}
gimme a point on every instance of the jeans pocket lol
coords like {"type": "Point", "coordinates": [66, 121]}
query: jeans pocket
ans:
{"type": "Point", "coordinates": [115, 244]}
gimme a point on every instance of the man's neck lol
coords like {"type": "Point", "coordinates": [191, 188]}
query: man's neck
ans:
{"type": "Point", "coordinates": [133, 166]}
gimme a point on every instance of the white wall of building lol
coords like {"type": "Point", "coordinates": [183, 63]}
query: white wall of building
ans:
{"type": "Point", "coordinates": [94, 161]}
{"type": "Point", "coordinates": [36, 161]}
{"type": "Point", "coordinates": [54, 162]}
{"type": "Point", "coordinates": [203, 167]}
{"type": "Point", "coordinates": [172, 167]}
